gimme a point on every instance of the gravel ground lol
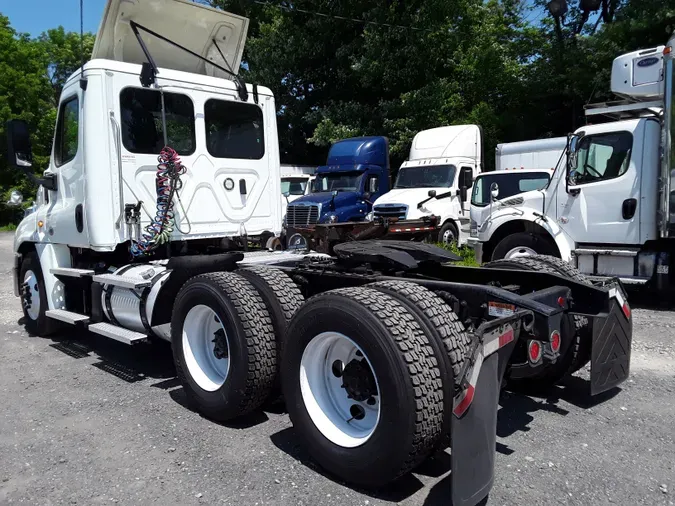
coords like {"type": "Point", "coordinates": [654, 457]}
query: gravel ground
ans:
{"type": "Point", "coordinates": [85, 420]}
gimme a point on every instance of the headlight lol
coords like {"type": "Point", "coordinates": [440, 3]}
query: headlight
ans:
{"type": "Point", "coordinates": [474, 229]}
{"type": "Point", "coordinates": [332, 218]}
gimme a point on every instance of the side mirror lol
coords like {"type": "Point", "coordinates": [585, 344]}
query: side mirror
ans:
{"type": "Point", "coordinates": [286, 194]}
{"type": "Point", "coordinates": [463, 194]}
{"type": "Point", "coordinates": [335, 193]}
{"type": "Point", "coordinates": [372, 185]}
{"type": "Point", "coordinates": [573, 144]}
{"type": "Point", "coordinates": [466, 177]}
{"type": "Point", "coordinates": [494, 191]}
{"type": "Point", "coordinates": [432, 194]}
{"type": "Point", "coordinates": [19, 151]}
{"type": "Point", "coordinates": [367, 195]}
{"type": "Point", "coordinates": [15, 199]}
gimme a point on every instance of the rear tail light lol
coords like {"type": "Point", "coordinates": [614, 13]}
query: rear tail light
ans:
{"type": "Point", "coordinates": [534, 351]}
{"type": "Point", "coordinates": [626, 310]}
{"type": "Point", "coordinates": [555, 341]}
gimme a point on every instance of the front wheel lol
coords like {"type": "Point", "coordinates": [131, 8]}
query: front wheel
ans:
{"type": "Point", "coordinates": [34, 298]}
{"type": "Point", "coordinates": [522, 244]}
{"type": "Point", "coordinates": [448, 234]}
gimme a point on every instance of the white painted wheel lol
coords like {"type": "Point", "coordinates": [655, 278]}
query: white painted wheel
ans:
{"type": "Point", "coordinates": [206, 348]}
{"type": "Point", "coordinates": [340, 390]}
{"type": "Point", "coordinates": [520, 251]}
{"type": "Point", "coordinates": [32, 289]}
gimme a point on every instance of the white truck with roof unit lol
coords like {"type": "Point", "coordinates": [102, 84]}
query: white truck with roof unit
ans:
{"type": "Point", "coordinates": [608, 210]}
{"type": "Point", "coordinates": [165, 163]}
{"type": "Point", "coordinates": [520, 167]}
{"type": "Point", "coordinates": [435, 180]}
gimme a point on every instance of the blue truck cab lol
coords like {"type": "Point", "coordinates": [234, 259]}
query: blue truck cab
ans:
{"type": "Point", "coordinates": [355, 175]}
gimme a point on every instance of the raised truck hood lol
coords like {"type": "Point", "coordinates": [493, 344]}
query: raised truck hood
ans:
{"type": "Point", "coordinates": [191, 25]}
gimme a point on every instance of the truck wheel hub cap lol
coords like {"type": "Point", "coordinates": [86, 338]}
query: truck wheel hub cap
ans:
{"type": "Point", "coordinates": [339, 389]}
{"type": "Point", "coordinates": [31, 295]}
{"type": "Point", "coordinates": [206, 349]}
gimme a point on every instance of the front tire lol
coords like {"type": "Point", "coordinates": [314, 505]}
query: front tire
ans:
{"type": "Point", "coordinates": [34, 298]}
{"type": "Point", "coordinates": [362, 386]}
{"type": "Point", "coordinates": [521, 245]}
{"type": "Point", "coordinates": [448, 234]}
{"type": "Point", "coordinates": [224, 345]}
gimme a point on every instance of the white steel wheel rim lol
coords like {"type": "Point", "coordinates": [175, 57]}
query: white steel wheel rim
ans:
{"type": "Point", "coordinates": [325, 399]}
{"type": "Point", "coordinates": [199, 349]}
{"type": "Point", "coordinates": [31, 280]}
{"type": "Point", "coordinates": [520, 251]}
{"type": "Point", "coordinates": [448, 236]}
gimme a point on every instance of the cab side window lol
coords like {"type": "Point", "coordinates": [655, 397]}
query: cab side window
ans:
{"type": "Point", "coordinates": [603, 157]}
{"type": "Point", "coordinates": [65, 145]}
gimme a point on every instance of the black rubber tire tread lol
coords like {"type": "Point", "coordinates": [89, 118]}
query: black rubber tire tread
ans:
{"type": "Point", "coordinates": [446, 334]}
{"type": "Point", "coordinates": [282, 298]}
{"type": "Point", "coordinates": [410, 343]}
{"type": "Point", "coordinates": [43, 326]}
{"type": "Point", "coordinates": [581, 346]}
{"type": "Point", "coordinates": [287, 296]}
{"type": "Point", "coordinates": [451, 331]}
{"type": "Point", "coordinates": [260, 341]}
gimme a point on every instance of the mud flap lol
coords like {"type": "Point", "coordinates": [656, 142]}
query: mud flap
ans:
{"type": "Point", "coordinates": [610, 348]}
{"type": "Point", "coordinates": [474, 437]}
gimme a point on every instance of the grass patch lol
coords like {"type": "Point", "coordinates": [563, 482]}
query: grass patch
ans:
{"type": "Point", "coordinates": [465, 252]}
{"type": "Point", "coordinates": [10, 227]}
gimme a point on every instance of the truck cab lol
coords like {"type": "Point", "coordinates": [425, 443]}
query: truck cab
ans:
{"type": "Point", "coordinates": [608, 208]}
{"type": "Point", "coordinates": [296, 181]}
{"type": "Point", "coordinates": [356, 174]}
{"type": "Point", "coordinates": [435, 180]}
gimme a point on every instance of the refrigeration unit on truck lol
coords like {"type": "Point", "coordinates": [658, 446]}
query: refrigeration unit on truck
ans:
{"type": "Point", "coordinates": [435, 180]}
{"type": "Point", "coordinates": [520, 167]}
{"type": "Point", "coordinates": [608, 210]}
{"type": "Point", "coordinates": [164, 161]}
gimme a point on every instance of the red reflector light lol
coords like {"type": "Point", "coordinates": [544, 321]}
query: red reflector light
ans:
{"type": "Point", "coordinates": [561, 301]}
{"type": "Point", "coordinates": [555, 341]}
{"type": "Point", "coordinates": [534, 351]}
{"type": "Point", "coordinates": [626, 310]}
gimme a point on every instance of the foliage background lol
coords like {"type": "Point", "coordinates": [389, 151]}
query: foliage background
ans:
{"type": "Point", "coordinates": [502, 64]}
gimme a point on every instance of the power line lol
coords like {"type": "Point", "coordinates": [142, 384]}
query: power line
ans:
{"type": "Point", "coordinates": [341, 18]}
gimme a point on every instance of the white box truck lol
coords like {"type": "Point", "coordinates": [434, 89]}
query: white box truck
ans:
{"type": "Point", "coordinates": [609, 208]}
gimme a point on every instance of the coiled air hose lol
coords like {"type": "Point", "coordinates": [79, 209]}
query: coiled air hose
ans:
{"type": "Point", "coordinates": [167, 183]}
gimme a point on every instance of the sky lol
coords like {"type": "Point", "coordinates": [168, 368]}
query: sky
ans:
{"type": "Point", "coordinates": [37, 16]}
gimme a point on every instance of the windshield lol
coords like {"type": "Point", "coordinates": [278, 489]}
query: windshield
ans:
{"type": "Point", "coordinates": [293, 186]}
{"type": "Point", "coordinates": [510, 184]}
{"type": "Point", "coordinates": [426, 176]}
{"type": "Point", "coordinates": [343, 181]}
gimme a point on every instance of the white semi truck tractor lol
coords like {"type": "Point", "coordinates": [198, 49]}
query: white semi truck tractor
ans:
{"type": "Point", "coordinates": [165, 164]}
{"type": "Point", "coordinates": [608, 209]}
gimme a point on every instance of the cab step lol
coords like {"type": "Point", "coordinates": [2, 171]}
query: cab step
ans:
{"type": "Point", "coordinates": [73, 273]}
{"type": "Point", "coordinates": [130, 282]}
{"type": "Point", "coordinates": [67, 316]}
{"type": "Point", "coordinates": [120, 334]}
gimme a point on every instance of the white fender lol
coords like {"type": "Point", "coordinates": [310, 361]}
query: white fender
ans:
{"type": "Point", "coordinates": [508, 215]}
{"type": "Point", "coordinates": [51, 256]}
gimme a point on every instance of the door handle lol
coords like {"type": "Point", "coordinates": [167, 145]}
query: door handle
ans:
{"type": "Point", "coordinates": [628, 208]}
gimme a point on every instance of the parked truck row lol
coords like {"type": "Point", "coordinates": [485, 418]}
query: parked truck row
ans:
{"type": "Point", "coordinates": [165, 170]}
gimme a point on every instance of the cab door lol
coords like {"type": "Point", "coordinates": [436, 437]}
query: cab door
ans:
{"type": "Point", "coordinates": [601, 202]}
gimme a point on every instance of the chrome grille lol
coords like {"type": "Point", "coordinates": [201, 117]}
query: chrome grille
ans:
{"type": "Point", "coordinates": [390, 211]}
{"type": "Point", "coordinates": [302, 215]}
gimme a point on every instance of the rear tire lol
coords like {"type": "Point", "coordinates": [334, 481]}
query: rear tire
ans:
{"type": "Point", "coordinates": [34, 298]}
{"type": "Point", "coordinates": [223, 345]}
{"type": "Point", "coordinates": [446, 335]}
{"type": "Point", "coordinates": [522, 244]}
{"type": "Point", "coordinates": [282, 298]}
{"type": "Point", "coordinates": [448, 234]}
{"type": "Point", "coordinates": [405, 377]}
